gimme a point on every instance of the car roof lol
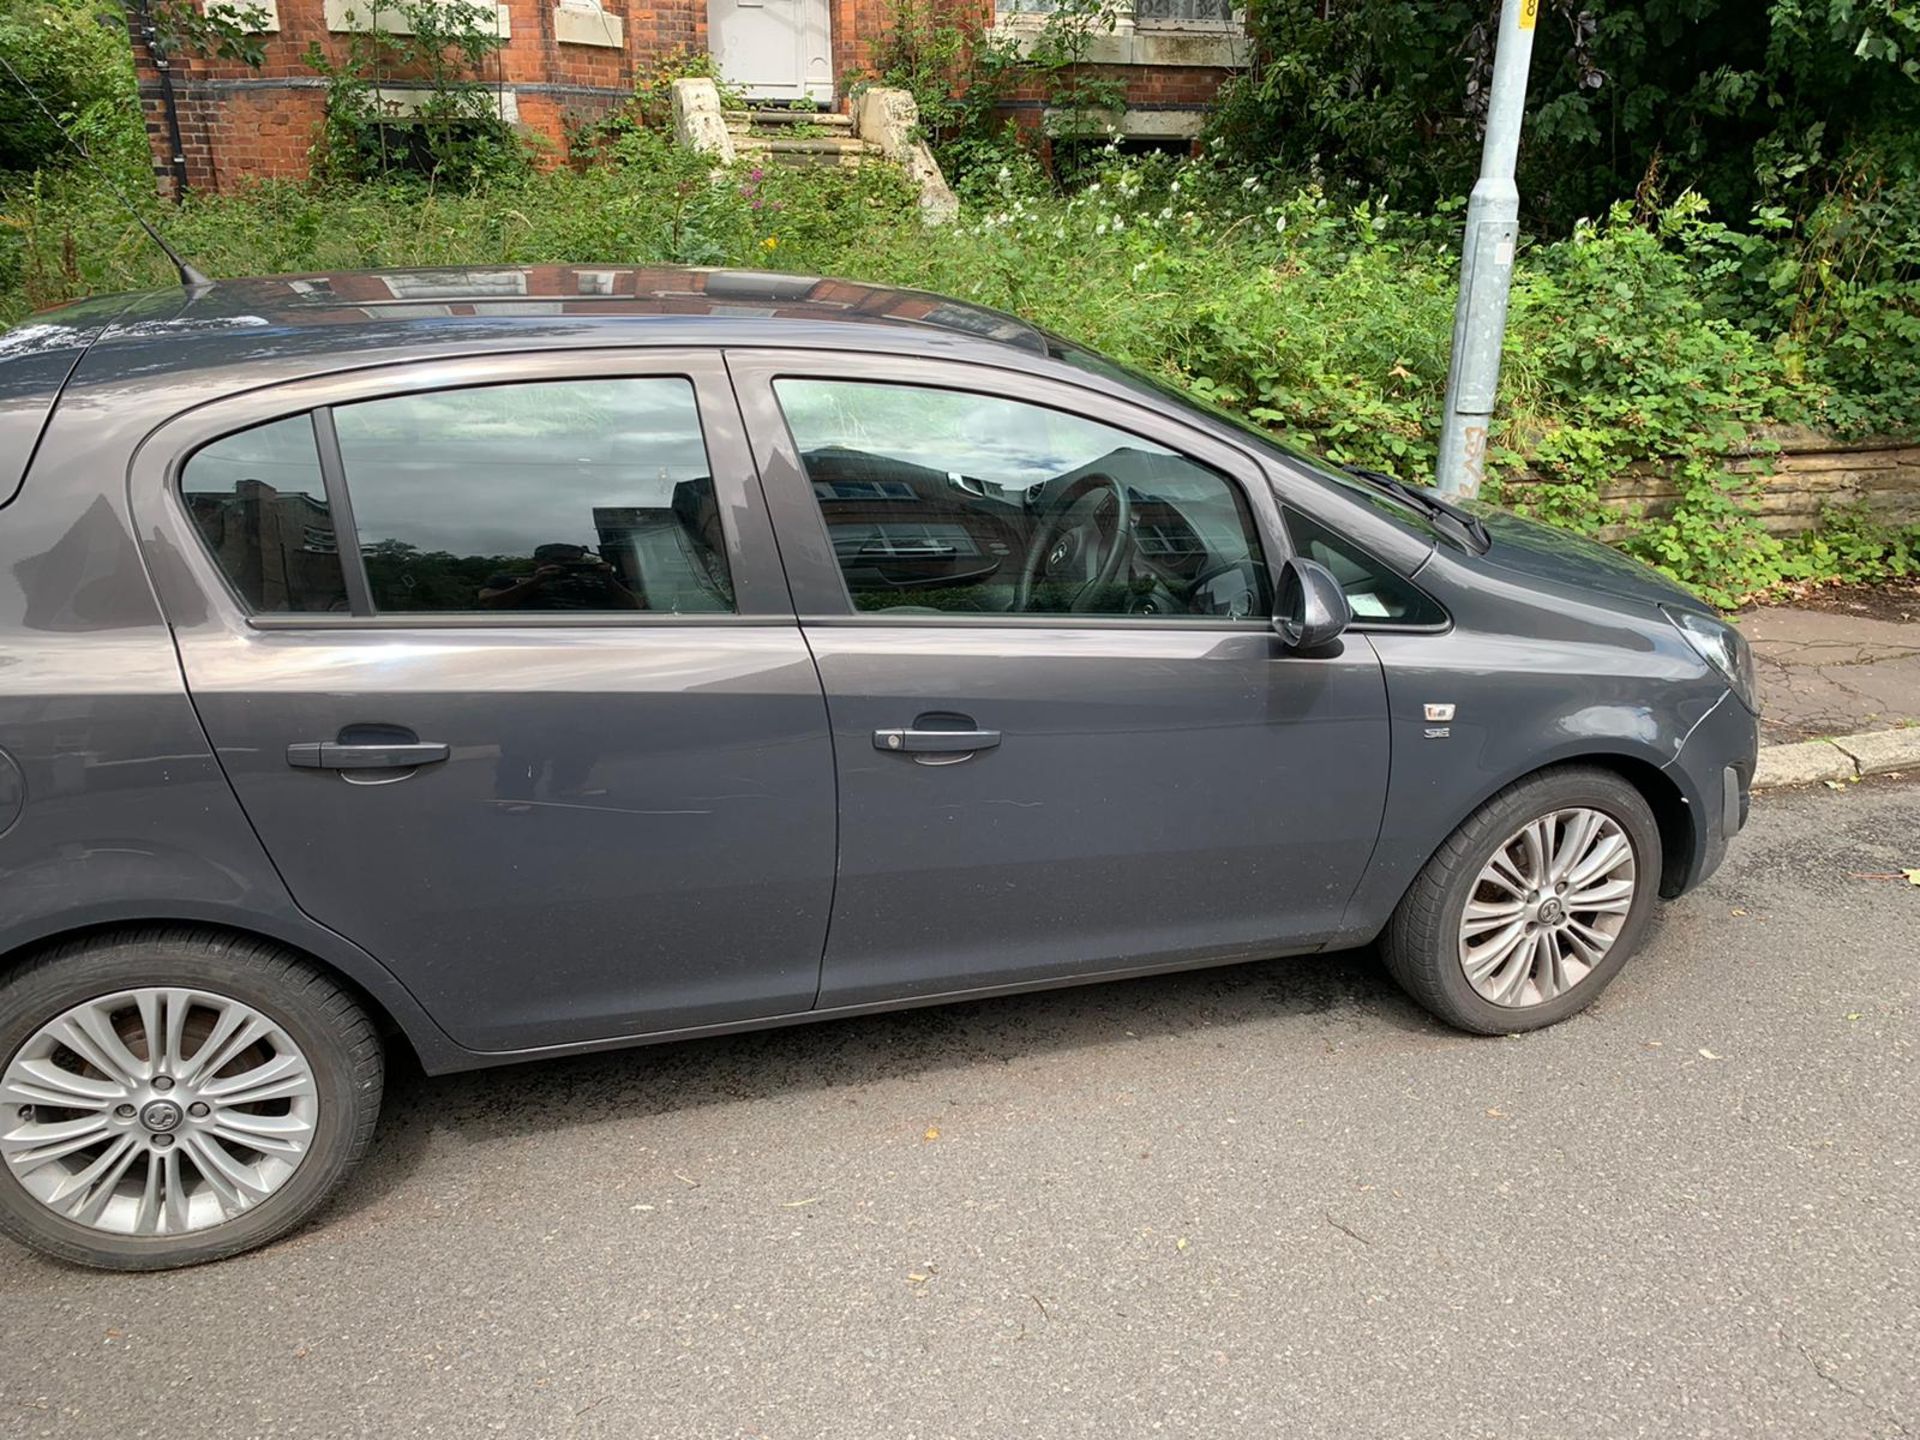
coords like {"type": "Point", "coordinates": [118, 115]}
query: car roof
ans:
{"type": "Point", "coordinates": [344, 314]}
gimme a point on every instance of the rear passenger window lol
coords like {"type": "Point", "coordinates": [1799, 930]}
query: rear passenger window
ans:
{"type": "Point", "coordinates": [582, 495]}
{"type": "Point", "coordinates": [257, 499]}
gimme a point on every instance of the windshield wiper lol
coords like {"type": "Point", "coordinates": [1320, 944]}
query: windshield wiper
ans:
{"type": "Point", "coordinates": [1450, 520]}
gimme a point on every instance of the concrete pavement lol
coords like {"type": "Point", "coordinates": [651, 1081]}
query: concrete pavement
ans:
{"type": "Point", "coordinates": [1268, 1200]}
{"type": "Point", "coordinates": [1823, 673]}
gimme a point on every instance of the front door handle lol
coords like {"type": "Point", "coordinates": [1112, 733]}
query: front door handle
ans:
{"type": "Point", "coordinates": [331, 755]}
{"type": "Point", "coordinates": [935, 742]}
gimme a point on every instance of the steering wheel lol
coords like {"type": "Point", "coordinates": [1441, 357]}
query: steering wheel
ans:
{"type": "Point", "coordinates": [1073, 548]}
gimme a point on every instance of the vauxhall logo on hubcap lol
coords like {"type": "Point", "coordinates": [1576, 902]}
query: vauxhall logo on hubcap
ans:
{"type": "Point", "coordinates": [1552, 912]}
{"type": "Point", "coordinates": [160, 1116]}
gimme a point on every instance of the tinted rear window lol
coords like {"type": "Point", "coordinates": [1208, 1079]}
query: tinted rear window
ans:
{"type": "Point", "coordinates": [581, 495]}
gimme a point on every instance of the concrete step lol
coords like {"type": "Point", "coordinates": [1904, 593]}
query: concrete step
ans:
{"type": "Point", "coordinates": [742, 122]}
{"type": "Point", "coordinates": [805, 150]}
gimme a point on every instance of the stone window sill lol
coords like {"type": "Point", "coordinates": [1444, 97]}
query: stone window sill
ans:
{"type": "Point", "coordinates": [345, 16]}
{"type": "Point", "coordinates": [1183, 124]}
{"type": "Point", "coordinates": [403, 102]}
{"type": "Point", "coordinates": [1157, 42]}
{"type": "Point", "coordinates": [588, 25]}
{"type": "Point", "coordinates": [268, 26]}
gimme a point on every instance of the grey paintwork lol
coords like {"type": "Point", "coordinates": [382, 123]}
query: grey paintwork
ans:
{"type": "Point", "coordinates": [1166, 794]}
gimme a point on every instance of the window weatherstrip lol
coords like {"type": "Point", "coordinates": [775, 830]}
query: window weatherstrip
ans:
{"type": "Point", "coordinates": [346, 535]}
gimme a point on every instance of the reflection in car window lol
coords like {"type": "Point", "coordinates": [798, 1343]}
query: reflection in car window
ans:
{"type": "Point", "coordinates": [257, 500]}
{"type": "Point", "coordinates": [583, 495]}
{"type": "Point", "coordinates": [1096, 364]}
{"type": "Point", "coordinates": [1374, 592]}
{"type": "Point", "coordinates": [942, 501]}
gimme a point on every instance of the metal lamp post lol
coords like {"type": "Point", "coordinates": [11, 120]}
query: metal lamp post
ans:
{"type": "Point", "coordinates": [1486, 261]}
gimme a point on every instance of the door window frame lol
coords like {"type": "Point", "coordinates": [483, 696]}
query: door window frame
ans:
{"type": "Point", "coordinates": [819, 589]}
{"type": "Point", "coordinates": [187, 576]}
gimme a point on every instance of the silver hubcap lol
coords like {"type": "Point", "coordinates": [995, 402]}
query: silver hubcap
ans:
{"type": "Point", "coordinates": [156, 1111]}
{"type": "Point", "coordinates": [1547, 907]}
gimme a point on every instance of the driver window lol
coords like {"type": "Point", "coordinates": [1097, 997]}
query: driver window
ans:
{"type": "Point", "coordinates": [947, 502]}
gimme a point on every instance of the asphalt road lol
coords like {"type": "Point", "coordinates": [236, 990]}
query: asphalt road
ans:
{"type": "Point", "coordinates": [1274, 1200]}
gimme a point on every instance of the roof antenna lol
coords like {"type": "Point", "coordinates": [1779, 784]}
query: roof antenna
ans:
{"type": "Point", "coordinates": [189, 276]}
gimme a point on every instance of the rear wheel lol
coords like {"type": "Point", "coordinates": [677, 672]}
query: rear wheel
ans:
{"type": "Point", "coordinates": [168, 1097]}
{"type": "Point", "coordinates": [1532, 906]}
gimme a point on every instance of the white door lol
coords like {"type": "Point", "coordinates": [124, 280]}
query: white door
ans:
{"type": "Point", "coordinates": [773, 49]}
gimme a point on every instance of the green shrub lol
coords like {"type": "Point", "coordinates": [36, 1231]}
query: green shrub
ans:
{"type": "Point", "coordinates": [79, 62]}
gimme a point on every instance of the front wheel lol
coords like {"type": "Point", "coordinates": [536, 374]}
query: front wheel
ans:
{"type": "Point", "coordinates": [1532, 906]}
{"type": "Point", "coordinates": [168, 1098]}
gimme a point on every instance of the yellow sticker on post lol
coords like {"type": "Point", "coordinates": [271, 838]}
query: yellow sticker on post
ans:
{"type": "Point", "coordinates": [1529, 12]}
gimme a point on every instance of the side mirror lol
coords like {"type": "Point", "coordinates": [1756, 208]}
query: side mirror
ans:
{"type": "Point", "coordinates": [1312, 610]}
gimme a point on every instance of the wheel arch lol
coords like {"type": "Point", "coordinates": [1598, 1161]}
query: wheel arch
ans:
{"type": "Point", "coordinates": [1671, 812]}
{"type": "Point", "coordinates": [398, 1017]}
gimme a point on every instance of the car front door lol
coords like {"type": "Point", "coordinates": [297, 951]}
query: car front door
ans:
{"type": "Point", "coordinates": [1068, 741]}
{"type": "Point", "coordinates": [498, 657]}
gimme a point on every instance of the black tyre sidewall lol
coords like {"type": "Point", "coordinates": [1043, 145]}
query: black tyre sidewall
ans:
{"type": "Point", "coordinates": [1491, 827]}
{"type": "Point", "coordinates": [307, 1007]}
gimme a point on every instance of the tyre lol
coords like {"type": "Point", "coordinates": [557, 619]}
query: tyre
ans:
{"type": "Point", "coordinates": [169, 1097]}
{"type": "Point", "coordinates": [1532, 906]}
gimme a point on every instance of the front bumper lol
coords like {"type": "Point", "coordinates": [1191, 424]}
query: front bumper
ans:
{"type": "Point", "coordinates": [1714, 774]}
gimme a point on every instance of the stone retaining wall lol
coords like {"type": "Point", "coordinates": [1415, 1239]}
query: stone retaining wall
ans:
{"type": "Point", "coordinates": [1810, 474]}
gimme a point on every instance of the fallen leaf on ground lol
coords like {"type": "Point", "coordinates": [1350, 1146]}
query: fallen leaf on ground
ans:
{"type": "Point", "coordinates": [933, 1133]}
{"type": "Point", "coordinates": [1706, 1054]}
{"type": "Point", "coordinates": [796, 1204]}
{"type": "Point", "coordinates": [1496, 1112]}
{"type": "Point", "coordinates": [916, 1278]}
{"type": "Point", "coordinates": [1913, 876]}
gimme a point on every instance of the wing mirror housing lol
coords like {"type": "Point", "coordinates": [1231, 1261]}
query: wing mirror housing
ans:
{"type": "Point", "coordinates": [1311, 611]}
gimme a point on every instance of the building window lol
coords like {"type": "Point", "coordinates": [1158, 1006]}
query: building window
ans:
{"type": "Point", "coordinates": [1183, 12]}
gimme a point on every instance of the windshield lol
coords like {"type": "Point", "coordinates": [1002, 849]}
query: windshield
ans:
{"type": "Point", "coordinates": [1385, 501]}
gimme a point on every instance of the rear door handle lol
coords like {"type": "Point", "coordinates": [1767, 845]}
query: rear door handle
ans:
{"type": "Point", "coordinates": [933, 742]}
{"type": "Point", "coordinates": [331, 755]}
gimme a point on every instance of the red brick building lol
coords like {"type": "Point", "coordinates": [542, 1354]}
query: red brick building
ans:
{"type": "Point", "coordinates": [567, 61]}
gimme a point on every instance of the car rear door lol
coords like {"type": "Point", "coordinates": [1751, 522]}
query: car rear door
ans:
{"type": "Point", "coordinates": [499, 660]}
{"type": "Point", "coordinates": [1032, 788]}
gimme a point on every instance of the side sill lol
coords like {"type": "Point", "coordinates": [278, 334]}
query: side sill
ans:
{"type": "Point", "coordinates": [446, 1064]}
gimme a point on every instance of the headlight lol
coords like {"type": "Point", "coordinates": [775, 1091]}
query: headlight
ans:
{"type": "Point", "coordinates": [1722, 647]}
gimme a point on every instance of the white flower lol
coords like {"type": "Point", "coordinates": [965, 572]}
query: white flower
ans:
{"type": "Point", "coordinates": [1176, 187]}
{"type": "Point", "coordinates": [1167, 213]}
{"type": "Point", "coordinates": [1280, 226]}
{"type": "Point", "coordinates": [1118, 224]}
{"type": "Point", "coordinates": [1250, 182]}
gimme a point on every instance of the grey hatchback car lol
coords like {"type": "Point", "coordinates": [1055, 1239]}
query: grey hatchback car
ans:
{"type": "Point", "coordinates": [495, 664]}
